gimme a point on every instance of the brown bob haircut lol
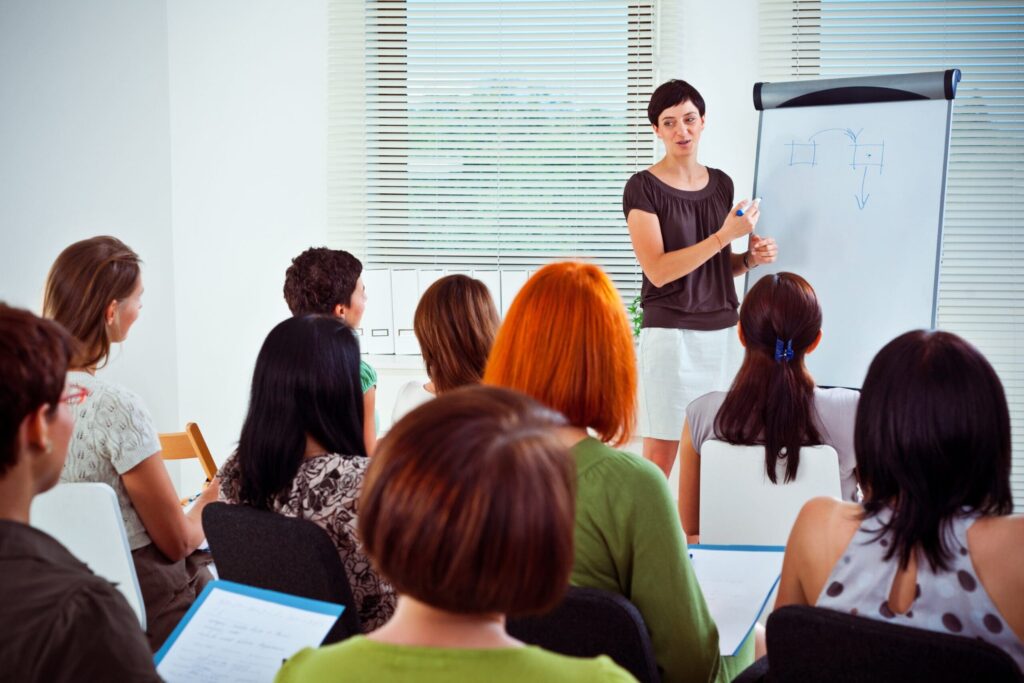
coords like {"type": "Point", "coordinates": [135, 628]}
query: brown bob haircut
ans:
{"type": "Point", "coordinates": [468, 504]}
{"type": "Point", "coordinates": [566, 342]}
{"type": "Point", "coordinates": [455, 323]}
{"type": "Point", "coordinates": [34, 357]}
{"type": "Point", "coordinates": [83, 281]}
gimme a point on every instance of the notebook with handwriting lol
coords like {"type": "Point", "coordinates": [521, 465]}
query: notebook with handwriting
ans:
{"type": "Point", "coordinates": [235, 633]}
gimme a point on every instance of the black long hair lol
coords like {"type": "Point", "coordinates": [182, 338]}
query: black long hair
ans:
{"type": "Point", "coordinates": [306, 381]}
{"type": "Point", "coordinates": [771, 401]}
{"type": "Point", "coordinates": [932, 437]}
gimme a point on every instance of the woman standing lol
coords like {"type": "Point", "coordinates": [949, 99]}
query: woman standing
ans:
{"type": "Point", "coordinates": [681, 222]}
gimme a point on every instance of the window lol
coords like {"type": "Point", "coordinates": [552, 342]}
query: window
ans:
{"type": "Point", "coordinates": [488, 134]}
{"type": "Point", "coordinates": [981, 278]}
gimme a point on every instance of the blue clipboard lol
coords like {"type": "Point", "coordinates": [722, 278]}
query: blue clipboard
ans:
{"type": "Point", "coordinates": [317, 606]}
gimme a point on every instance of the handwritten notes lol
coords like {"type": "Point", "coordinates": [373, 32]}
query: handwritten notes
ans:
{"type": "Point", "coordinates": [236, 633]}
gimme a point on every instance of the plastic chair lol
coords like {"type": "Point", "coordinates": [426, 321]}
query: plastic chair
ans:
{"type": "Point", "coordinates": [740, 506]}
{"type": "Point", "coordinates": [591, 622]}
{"type": "Point", "coordinates": [808, 644]}
{"type": "Point", "coordinates": [86, 519]}
{"type": "Point", "coordinates": [188, 444]}
{"type": "Point", "coordinates": [285, 554]}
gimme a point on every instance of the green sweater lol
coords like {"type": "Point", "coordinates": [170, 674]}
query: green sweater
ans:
{"type": "Point", "coordinates": [359, 659]}
{"type": "Point", "coordinates": [629, 541]}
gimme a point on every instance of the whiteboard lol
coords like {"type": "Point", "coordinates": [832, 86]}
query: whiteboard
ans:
{"type": "Point", "coordinates": [853, 194]}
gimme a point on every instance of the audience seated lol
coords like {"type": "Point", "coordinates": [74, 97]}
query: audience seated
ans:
{"type": "Point", "coordinates": [566, 342]}
{"type": "Point", "coordinates": [773, 400]}
{"type": "Point", "coordinates": [59, 621]}
{"type": "Point", "coordinates": [94, 290]}
{"type": "Point", "coordinates": [330, 282]}
{"type": "Point", "coordinates": [933, 545]}
{"type": "Point", "coordinates": [468, 510]}
{"type": "Point", "coordinates": [301, 449]}
{"type": "Point", "coordinates": [455, 324]}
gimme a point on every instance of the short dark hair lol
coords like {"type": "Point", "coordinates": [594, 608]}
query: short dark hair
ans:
{"type": "Point", "coordinates": [771, 401]}
{"type": "Point", "coordinates": [82, 282]}
{"type": "Point", "coordinates": [932, 436]}
{"type": "Point", "coordinates": [468, 504]}
{"type": "Point", "coordinates": [306, 381]}
{"type": "Point", "coordinates": [671, 93]}
{"type": "Point", "coordinates": [319, 279]}
{"type": "Point", "coordinates": [34, 358]}
{"type": "Point", "coordinates": [455, 323]}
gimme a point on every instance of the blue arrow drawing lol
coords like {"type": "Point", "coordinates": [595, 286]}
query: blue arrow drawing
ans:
{"type": "Point", "coordinates": [862, 200]}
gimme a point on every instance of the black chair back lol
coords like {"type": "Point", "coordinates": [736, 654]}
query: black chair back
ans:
{"type": "Point", "coordinates": [590, 622]}
{"type": "Point", "coordinates": [816, 644]}
{"type": "Point", "coordinates": [295, 556]}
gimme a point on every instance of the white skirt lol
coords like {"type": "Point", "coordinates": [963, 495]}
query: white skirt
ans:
{"type": "Point", "coordinates": [678, 366]}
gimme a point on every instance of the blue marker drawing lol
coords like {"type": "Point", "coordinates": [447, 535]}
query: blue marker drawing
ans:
{"type": "Point", "coordinates": [863, 155]}
{"type": "Point", "coordinates": [862, 200]}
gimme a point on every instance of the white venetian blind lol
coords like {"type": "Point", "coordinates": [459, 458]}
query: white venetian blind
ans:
{"type": "Point", "coordinates": [474, 134]}
{"type": "Point", "coordinates": [981, 279]}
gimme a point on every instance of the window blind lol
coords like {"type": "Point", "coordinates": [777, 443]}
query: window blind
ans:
{"type": "Point", "coordinates": [474, 134]}
{"type": "Point", "coordinates": [981, 278]}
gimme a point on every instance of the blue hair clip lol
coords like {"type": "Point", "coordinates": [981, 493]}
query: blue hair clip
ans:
{"type": "Point", "coordinates": [783, 353]}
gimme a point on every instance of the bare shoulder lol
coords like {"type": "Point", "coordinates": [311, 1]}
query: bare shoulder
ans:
{"type": "Point", "coordinates": [998, 539]}
{"type": "Point", "coordinates": [998, 558]}
{"type": "Point", "coordinates": [824, 528]}
{"type": "Point", "coordinates": [826, 512]}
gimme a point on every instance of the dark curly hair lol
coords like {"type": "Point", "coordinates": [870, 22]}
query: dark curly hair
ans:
{"type": "Point", "coordinates": [319, 279]}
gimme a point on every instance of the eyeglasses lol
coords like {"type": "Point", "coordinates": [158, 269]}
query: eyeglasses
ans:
{"type": "Point", "coordinates": [75, 395]}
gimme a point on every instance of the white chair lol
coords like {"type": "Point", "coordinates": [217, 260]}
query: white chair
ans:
{"type": "Point", "coordinates": [86, 519]}
{"type": "Point", "coordinates": [739, 505]}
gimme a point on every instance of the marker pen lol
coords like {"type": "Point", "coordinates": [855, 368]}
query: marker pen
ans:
{"type": "Point", "coordinates": [748, 207]}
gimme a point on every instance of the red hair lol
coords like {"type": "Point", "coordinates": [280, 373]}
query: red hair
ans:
{"type": "Point", "coordinates": [566, 342]}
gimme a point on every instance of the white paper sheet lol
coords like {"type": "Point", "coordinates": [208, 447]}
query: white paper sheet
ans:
{"type": "Point", "coordinates": [736, 582]}
{"type": "Point", "coordinates": [236, 637]}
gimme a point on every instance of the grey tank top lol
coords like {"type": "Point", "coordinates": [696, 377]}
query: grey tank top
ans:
{"type": "Point", "coordinates": [952, 601]}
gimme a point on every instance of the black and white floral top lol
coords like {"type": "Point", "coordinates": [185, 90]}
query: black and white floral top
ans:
{"type": "Point", "coordinates": [325, 491]}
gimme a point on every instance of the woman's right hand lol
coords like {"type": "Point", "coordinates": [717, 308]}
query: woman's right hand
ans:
{"type": "Point", "coordinates": [735, 227]}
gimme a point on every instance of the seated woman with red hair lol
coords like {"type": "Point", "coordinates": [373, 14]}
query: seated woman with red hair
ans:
{"type": "Point", "coordinates": [566, 342]}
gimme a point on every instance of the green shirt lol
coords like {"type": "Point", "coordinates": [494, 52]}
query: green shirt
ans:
{"type": "Point", "coordinates": [629, 541]}
{"type": "Point", "coordinates": [367, 375]}
{"type": "Point", "coordinates": [368, 378]}
{"type": "Point", "coordinates": [359, 659]}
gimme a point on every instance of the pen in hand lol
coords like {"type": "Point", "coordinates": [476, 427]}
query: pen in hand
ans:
{"type": "Point", "coordinates": [748, 207]}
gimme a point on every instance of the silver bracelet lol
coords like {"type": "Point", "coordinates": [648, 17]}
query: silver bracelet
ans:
{"type": "Point", "coordinates": [746, 264]}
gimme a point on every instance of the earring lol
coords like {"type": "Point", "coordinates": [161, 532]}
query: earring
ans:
{"type": "Point", "coordinates": [48, 447]}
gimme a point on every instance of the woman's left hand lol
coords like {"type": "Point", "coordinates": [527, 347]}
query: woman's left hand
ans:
{"type": "Point", "coordinates": [761, 250]}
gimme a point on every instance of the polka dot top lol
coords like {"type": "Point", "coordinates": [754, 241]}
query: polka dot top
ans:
{"type": "Point", "coordinates": [952, 601]}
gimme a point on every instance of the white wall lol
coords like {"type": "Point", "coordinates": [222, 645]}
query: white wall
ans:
{"type": "Point", "coordinates": [85, 150]}
{"type": "Point", "coordinates": [719, 57]}
{"type": "Point", "coordinates": [248, 119]}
